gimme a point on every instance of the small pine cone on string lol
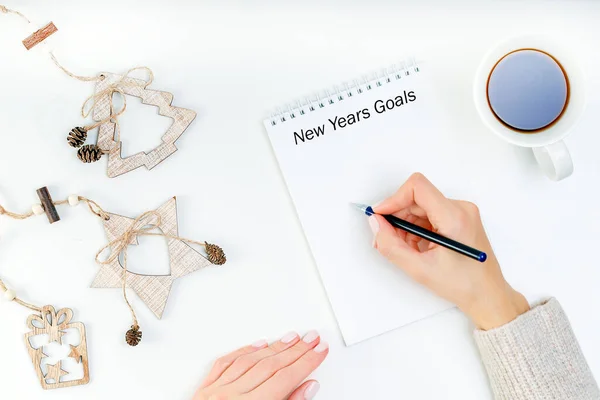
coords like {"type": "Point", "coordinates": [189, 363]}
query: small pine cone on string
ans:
{"type": "Point", "coordinates": [216, 255]}
{"type": "Point", "coordinates": [77, 137]}
{"type": "Point", "coordinates": [133, 337]}
{"type": "Point", "coordinates": [90, 153]}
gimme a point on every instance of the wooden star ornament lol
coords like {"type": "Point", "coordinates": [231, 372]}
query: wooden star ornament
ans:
{"type": "Point", "coordinates": [153, 290]}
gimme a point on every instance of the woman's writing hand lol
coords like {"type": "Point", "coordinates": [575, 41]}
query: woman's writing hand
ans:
{"type": "Point", "coordinates": [478, 289]}
{"type": "Point", "coordinates": [263, 372]}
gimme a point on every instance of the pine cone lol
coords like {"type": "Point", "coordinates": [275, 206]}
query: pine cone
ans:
{"type": "Point", "coordinates": [89, 153]}
{"type": "Point", "coordinates": [216, 255]}
{"type": "Point", "coordinates": [77, 136]}
{"type": "Point", "coordinates": [133, 337]}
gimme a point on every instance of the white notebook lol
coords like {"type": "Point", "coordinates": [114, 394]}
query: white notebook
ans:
{"type": "Point", "coordinates": [359, 145]}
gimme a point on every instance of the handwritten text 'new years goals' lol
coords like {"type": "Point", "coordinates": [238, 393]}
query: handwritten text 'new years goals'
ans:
{"type": "Point", "coordinates": [380, 107]}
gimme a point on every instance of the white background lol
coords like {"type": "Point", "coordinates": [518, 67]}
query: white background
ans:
{"type": "Point", "coordinates": [233, 62]}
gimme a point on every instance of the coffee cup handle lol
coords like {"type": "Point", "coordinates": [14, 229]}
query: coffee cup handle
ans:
{"type": "Point", "coordinates": [555, 160]}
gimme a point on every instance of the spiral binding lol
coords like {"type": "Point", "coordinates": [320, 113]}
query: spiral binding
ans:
{"type": "Point", "coordinates": [347, 90]}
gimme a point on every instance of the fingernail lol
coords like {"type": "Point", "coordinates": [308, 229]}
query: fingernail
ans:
{"type": "Point", "coordinates": [259, 343]}
{"type": "Point", "coordinates": [377, 204]}
{"type": "Point", "coordinates": [374, 244]}
{"type": "Point", "coordinates": [321, 347]}
{"type": "Point", "coordinates": [311, 390]}
{"type": "Point", "coordinates": [310, 337]}
{"type": "Point", "coordinates": [374, 224]}
{"type": "Point", "coordinates": [287, 338]}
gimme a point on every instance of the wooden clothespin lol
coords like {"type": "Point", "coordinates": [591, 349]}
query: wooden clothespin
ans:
{"type": "Point", "coordinates": [48, 205]}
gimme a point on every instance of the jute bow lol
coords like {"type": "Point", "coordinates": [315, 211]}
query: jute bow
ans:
{"type": "Point", "coordinates": [115, 87]}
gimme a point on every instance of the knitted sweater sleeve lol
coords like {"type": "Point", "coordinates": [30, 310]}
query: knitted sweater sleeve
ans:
{"type": "Point", "coordinates": [537, 356]}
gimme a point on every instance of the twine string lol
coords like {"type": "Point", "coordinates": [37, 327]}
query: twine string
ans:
{"type": "Point", "coordinates": [92, 205]}
{"type": "Point", "coordinates": [13, 215]}
{"type": "Point", "coordinates": [5, 10]}
{"type": "Point", "coordinates": [94, 208]}
{"type": "Point", "coordinates": [72, 75]}
{"type": "Point", "coordinates": [113, 117]}
{"type": "Point", "coordinates": [19, 301]}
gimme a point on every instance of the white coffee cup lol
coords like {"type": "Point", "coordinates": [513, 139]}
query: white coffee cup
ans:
{"type": "Point", "coordinates": [548, 147]}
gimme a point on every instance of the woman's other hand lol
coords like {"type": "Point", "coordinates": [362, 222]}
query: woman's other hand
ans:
{"type": "Point", "coordinates": [263, 372]}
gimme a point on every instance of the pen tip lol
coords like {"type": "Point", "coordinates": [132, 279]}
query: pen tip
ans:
{"type": "Point", "coordinates": [361, 207]}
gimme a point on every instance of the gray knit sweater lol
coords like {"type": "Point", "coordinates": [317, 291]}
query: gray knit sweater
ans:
{"type": "Point", "coordinates": [537, 357]}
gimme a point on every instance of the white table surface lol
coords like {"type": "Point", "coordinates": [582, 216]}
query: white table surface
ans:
{"type": "Point", "coordinates": [234, 62]}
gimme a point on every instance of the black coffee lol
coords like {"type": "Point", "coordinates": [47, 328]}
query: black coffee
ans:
{"type": "Point", "coordinates": [528, 90]}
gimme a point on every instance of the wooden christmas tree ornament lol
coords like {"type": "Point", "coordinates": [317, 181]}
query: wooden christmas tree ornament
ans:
{"type": "Point", "coordinates": [101, 106]}
{"type": "Point", "coordinates": [109, 134]}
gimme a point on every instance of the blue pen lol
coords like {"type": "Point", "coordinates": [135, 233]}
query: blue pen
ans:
{"type": "Point", "coordinates": [427, 234]}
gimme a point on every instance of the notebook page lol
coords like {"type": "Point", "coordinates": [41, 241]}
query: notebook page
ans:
{"type": "Point", "coordinates": [362, 156]}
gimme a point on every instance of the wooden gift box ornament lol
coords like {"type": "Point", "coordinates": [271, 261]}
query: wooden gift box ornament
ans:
{"type": "Point", "coordinates": [48, 328]}
{"type": "Point", "coordinates": [50, 332]}
{"type": "Point", "coordinates": [54, 325]}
